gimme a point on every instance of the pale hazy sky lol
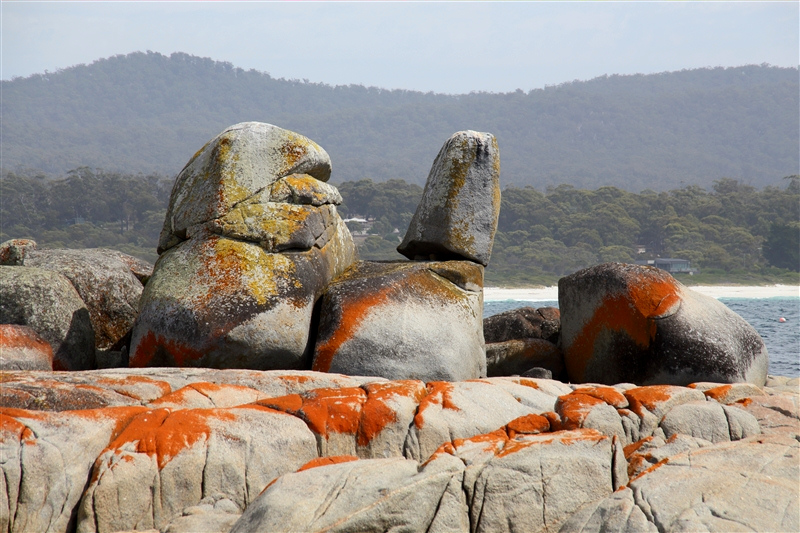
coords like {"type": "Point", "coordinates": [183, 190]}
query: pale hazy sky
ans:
{"type": "Point", "coordinates": [450, 47]}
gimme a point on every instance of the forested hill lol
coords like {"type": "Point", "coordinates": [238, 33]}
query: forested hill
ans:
{"type": "Point", "coordinates": [146, 112]}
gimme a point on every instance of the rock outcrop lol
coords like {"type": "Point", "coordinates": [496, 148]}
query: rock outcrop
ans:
{"type": "Point", "coordinates": [250, 241]}
{"type": "Point", "coordinates": [21, 348]}
{"type": "Point", "coordinates": [520, 340]}
{"type": "Point", "coordinates": [48, 303]}
{"type": "Point", "coordinates": [457, 216]}
{"type": "Point", "coordinates": [404, 320]}
{"type": "Point", "coordinates": [637, 324]}
{"type": "Point", "coordinates": [189, 450]}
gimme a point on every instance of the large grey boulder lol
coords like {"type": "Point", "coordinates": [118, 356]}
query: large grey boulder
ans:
{"type": "Point", "coordinates": [250, 241]}
{"type": "Point", "coordinates": [523, 323]}
{"type": "Point", "coordinates": [637, 324]}
{"type": "Point", "coordinates": [404, 320]}
{"type": "Point", "coordinates": [48, 303]}
{"type": "Point", "coordinates": [457, 216]}
{"type": "Point", "coordinates": [105, 281]}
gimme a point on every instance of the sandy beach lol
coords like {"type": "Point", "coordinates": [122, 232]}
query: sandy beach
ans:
{"type": "Point", "coordinates": [494, 294]}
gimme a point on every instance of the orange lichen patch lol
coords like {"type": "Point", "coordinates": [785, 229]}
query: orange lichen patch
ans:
{"type": "Point", "coordinates": [648, 470]}
{"type": "Point", "coordinates": [439, 393]}
{"type": "Point", "coordinates": [11, 427]}
{"type": "Point", "coordinates": [573, 409]}
{"type": "Point", "coordinates": [151, 346]}
{"type": "Point", "coordinates": [630, 449]}
{"type": "Point", "coordinates": [353, 313]}
{"type": "Point", "coordinates": [609, 395]}
{"type": "Point", "coordinates": [291, 403]}
{"type": "Point", "coordinates": [527, 425]}
{"type": "Point", "coordinates": [333, 410]}
{"type": "Point", "coordinates": [325, 461]}
{"type": "Point", "coordinates": [13, 336]}
{"type": "Point", "coordinates": [183, 395]}
{"type": "Point", "coordinates": [648, 397]}
{"type": "Point", "coordinates": [745, 401]}
{"type": "Point", "coordinates": [718, 393]}
{"type": "Point", "coordinates": [631, 313]}
{"type": "Point", "coordinates": [554, 420]}
{"type": "Point", "coordinates": [376, 414]}
{"type": "Point", "coordinates": [163, 434]}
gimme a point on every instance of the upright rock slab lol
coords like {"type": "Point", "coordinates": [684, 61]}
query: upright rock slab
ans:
{"type": "Point", "coordinates": [637, 324]}
{"type": "Point", "coordinates": [251, 239]}
{"type": "Point", "coordinates": [404, 320]}
{"type": "Point", "coordinates": [457, 216]}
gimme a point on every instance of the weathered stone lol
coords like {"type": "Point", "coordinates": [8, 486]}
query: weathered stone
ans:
{"type": "Point", "coordinates": [457, 216]}
{"type": "Point", "coordinates": [240, 267]}
{"type": "Point", "coordinates": [237, 165]}
{"type": "Point", "coordinates": [21, 348]}
{"type": "Point", "coordinates": [105, 282]}
{"type": "Point", "coordinates": [617, 513]}
{"type": "Point", "coordinates": [523, 323]}
{"type": "Point", "coordinates": [13, 251]}
{"type": "Point", "coordinates": [404, 320]}
{"type": "Point", "coordinates": [47, 302]}
{"type": "Point", "coordinates": [520, 355]}
{"type": "Point", "coordinates": [167, 461]}
{"type": "Point", "coordinates": [634, 323]}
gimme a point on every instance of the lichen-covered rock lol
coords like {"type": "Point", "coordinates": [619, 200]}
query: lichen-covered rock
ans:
{"type": "Point", "coordinates": [237, 165]}
{"type": "Point", "coordinates": [21, 348]}
{"type": "Point", "coordinates": [457, 216]}
{"type": "Point", "coordinates": [165, 461]}
{"type": "Point", "coordinates": [106, 283]}
{"type": "Point", "coordinates": [13, 251]}
{"type": "Point", "coordinates": [523, 323]}
{"type": "Point", "coordinates": [47, 302]}
{"type": "Point", "coordinates": [404, 320]}
{"type": "Point", "coordinates": [515, 357]}
{"type": "Point", "coordinates": [251, 239]}
{"type": "Point", "coordinates": [631, 323]}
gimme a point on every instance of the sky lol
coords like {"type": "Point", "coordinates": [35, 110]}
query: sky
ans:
{"type": "Point", "coordinates": [445, 47]}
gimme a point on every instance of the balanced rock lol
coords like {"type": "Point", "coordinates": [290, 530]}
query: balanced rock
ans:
{"type": "Point", "coordinates": [457, 216]}
{"type": "Point", "coordinates": [105, 281]}
{"type": "Point", "coordinates": [251, 239]}
{"type": "Point", "coordinates": [637, 324]}
{"type": "Point", "coordinates": [48, 303]}
{"type": "Point", "coordinates": [404, 320]}
{"type": "Point", "coordinates": [21, 348]}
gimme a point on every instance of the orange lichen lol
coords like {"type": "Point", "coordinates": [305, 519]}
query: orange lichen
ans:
{"type": "Point", "coordinates": [151, 346]}
{"type": "Point", "coordinates": [13, 336]}
{"type": "Point", "coordinates": [127, 385]}
{"type": "Point", "coordinates": [718, 393]}
{"type": "Point", "coordinates": [333, 410]}
{"type": "Point", "coordinates": [325, 461]}
{"type": "Point", "coordinates": [554, 420]}
{"type": "Point", "coordinates": [353, 313]}
{"type": "Point", "coordinates": [182, 395]}
{"type": "Point", "coordinates": [648, 470]}
{"type": "Point", "coordinates": [573, 409]}
{"type": "Point", "coordinates": [745, 401]}
{"type": "Point", "coordinates": [291, 403]}
{"type": "Point", "coordinates": [376, 415]}
{"type": "Point", "coordinates": [630, 449]}
{"type": "Point", "coordinates": [631, 313]}
{"type": "Point", "coordinates": [439, 393]}
{"type": "Point", "coordinates": [163, 434]}
{"type": "Point", "coordinates": [609, 395]}
{"type": "Point", "coordinates": [648, 397]}
{"type": "Point", "coordinates": [527, 425]}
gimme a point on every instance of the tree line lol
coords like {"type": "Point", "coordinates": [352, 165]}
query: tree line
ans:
{"type": "Point", "coordinates": [731, 232]}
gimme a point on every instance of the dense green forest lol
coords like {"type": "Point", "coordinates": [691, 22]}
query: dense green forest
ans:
{"type": "Point", "coordinates": [732, 232]}
{"type": "Point", "coordinates": [148, 113]}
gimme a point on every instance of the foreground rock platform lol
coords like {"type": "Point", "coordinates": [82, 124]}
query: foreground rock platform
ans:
{"type": "Point", "coordinates": [187, 450]}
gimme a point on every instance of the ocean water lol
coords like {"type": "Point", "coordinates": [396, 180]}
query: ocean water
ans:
{"type": "Point", "coordinates": [781, 338]}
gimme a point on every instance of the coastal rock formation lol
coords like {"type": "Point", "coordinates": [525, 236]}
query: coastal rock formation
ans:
{"type": "Point", "coordinates": [250, 241]}
{"type": "Point", "coordinates": [21, 348]}
{"type": "Point", "coordinates": [404, 320]}
{"type": "Point", "coordinates": [523, 323]}
{"type": "Point", "coordinates": [457, 216]}
{"type": "Point", "coordinates": [13, 251]}
{"type": "Point", "coordinates": [637, 324]}
{"type": "Point", "coordinates": [106, 282]}
{"type": "Point", "coordinates": [48, 303]}
{"type": "Point", "coordinates": [187, 450]}
{"type": "Point", "coordinates": [520, 340]}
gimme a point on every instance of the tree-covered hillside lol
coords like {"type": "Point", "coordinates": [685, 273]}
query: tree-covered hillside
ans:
{"type": "Point", "coordinates": [148, 113]}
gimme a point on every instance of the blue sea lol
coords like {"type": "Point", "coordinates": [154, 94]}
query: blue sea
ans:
{"type": "Point", "coordinates": [782, 338]}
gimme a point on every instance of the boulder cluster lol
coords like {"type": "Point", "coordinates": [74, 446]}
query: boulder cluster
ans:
{"type": "Point", "coordinates": [261, 378]}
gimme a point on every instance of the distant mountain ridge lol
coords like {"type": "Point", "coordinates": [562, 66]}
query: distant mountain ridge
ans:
{"type": "Point", "coordinates": [146, 112]}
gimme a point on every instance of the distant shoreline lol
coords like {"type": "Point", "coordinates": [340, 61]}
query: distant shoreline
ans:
{"type": "Point", "coordinates": [499, 294]}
